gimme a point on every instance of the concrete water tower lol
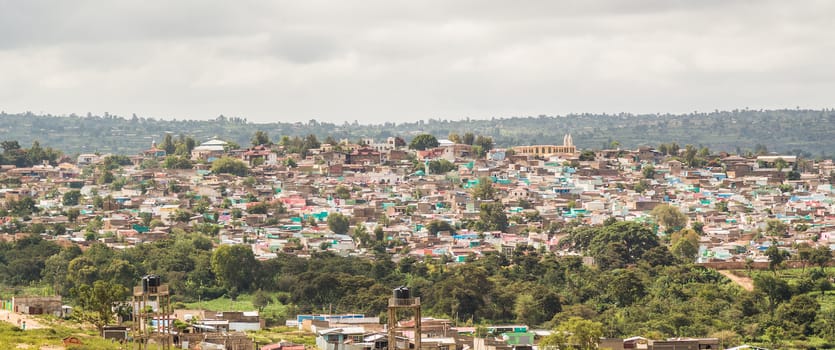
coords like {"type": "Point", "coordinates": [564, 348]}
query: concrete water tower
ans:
{"type": "Point", "coordinates": [402, 300]}
{"type": "Point", "coordinates": [152, 313]}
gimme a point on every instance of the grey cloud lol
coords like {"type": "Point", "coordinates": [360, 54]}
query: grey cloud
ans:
{"type": "Point", "coordinates": [379, 60]}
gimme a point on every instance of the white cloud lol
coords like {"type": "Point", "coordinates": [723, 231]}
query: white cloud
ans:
{"type": "Point", "coordinates": [383, 60]}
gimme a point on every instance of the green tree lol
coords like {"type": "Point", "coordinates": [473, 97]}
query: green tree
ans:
{"type": "Point", "coordinates": [648, 171]}
{"type": "Point", "coordinates": [626, 287]}
{"type": "Point", "coordinates": [56, 268]}
{"type": "Point", "coordinates": [824, 324]}
{"type": "Point", "coordinates": [484, 143]}
{"type": "Point", "coordinates": [360, 233]}
{"type": "Point", "coordinates": [185, 144]}
{"type": "Point", "coordinates": [168, 144]}
{"type": "Point", "coordinates": [461, 291]}
{"type": "Point", "coordinates": [23, 260]}
{"type": "Point", "coordinates": [258, 208]}
{"type": "Point", "coordinates": [310, 142]}
{"type": "Point", "coordinates": [587, 155]}
{"type": "Point", "coordinates": [343, 192]}
{"type": "Point", "coordinates": [10, 146]}
{"type": "Point", "coordinates": [177, 162]}
{"type": "Point", "coordinates": [484, 190]}
{"type": "Point", "coordinates": [780, 164]}
{"type": "Point", "coordinates": [338, 223]}
{"type": "Point", "coordinates": [685, 244]}
{"type": "Point", "coordinates": [150, 163]}
{"type": "Point", "coordinates": [260, 300]}
{"type": "Point", "coordinates": [454, 137]}
{"type": "Point", "coordinates": [775, 255]}
{"type": "Point", "coordinates": [527, 310]}
{"type": "Point", "coordinates": [493, 217]}
{"type": "Point", "coordinates": [468, 139]}
{"type": "Point", "coordinates": [658, 256]}
{"type": "Point", "coordinates": [640, 186]}
{"type": "Point", "coordinates": [72, 214]}
{"type": "Point", "coordinates": [690, 153]}
{"type": "Point", "coordinates": [698, 226]}
{"type": "Point", "coordinates": [97, 302]}
{"type": "Point", "coordinates": [674, 148]}
{"type": "Point", "coordinates": [669, 216]}
{"type": "Point", "coordinates": [820, 256]}
{"type": "Point", "coordinates": [71, 197]}
{"type": "Point", "coordinates": [106, 177]}
{"type": "Point", "coordinates": [621, 243]}
{"type": "Point", "coordinates": [260, 138]}
{"type": "Point", "coordinates": [798, 314]}
{"type": "Point", "coordinates": [146, 218]}
{"type": "Point", "coordinates": [441, 166]}
{"type": "Point", "coordinates": [379, 234]}
{"type": "Point", "coordinates": [234, 266]}
{"type": "Point", "coordinates": [775, 289]}
{"type": "Point", "coordinates": [685, 250]}
{"type": "Point", "coordinates": [775, 335]}
{"type": "Point", "coordinates": [436, 226]}
{"type": "Point", "coordinates": [776, 228]}
{"type": "Point", "coordinates": [228, 165]}
{"type": "Point", "coordinates": [181, 215]}
{"type": "Point", "coordinates": [581, 334]}
{"type": "Point", "coordinates": [423, 141]}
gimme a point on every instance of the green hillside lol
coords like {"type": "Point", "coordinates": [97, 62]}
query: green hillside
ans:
{"type": "Point", "coordinates": [788, 131]}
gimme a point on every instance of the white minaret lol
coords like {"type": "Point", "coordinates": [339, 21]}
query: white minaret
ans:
{"type": "Point", "coordinates": [567, 141]}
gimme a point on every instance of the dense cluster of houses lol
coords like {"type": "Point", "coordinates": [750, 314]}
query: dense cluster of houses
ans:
{"type": "Point", "coordinates": [383, 184]}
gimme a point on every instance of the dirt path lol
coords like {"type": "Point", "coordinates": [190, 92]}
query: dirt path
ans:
{"type": "Point", "coordinates": [18, 319]}
{"type": "Point", "coordinates": [744, 282]}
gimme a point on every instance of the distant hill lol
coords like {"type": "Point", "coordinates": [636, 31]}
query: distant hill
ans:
{"type": "Point", "coordinates": [808, 132]}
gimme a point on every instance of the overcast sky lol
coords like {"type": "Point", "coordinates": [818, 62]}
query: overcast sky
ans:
{"type": "Point", "coordinates": [388, 60]}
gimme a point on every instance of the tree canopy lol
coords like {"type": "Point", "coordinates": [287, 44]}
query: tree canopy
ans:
{"type": "Point", "coordinates": [338, 223]}
{"type": "Point", "coordinates": [669, 216]}
{"type": "Point", "coordinates": [423, 141]}
{"type": "Point", "coordinates": [97, 301]}
{"type": "Point", "coordinates": [260, 137]}
{"type": "Point", "coordinates": [229, 165]}
{"type": "Point", "coordinates": [233, 265]}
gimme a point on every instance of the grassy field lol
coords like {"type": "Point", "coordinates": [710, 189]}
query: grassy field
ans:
{"type": "Point", "coordinates": [794, 276]}
{"type": "Point", "coordinates": [243, 302]}
{"type": "Point", "coordinates": [7, 292]}
{"type": "Point", "coordinates": [276, 334]}
{"type": "Point", "coordinates": [274, 311]}
{"type": "Point", "coordinates": [51, 338]}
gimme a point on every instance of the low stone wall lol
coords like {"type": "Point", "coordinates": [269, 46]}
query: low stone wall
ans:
{"type": "Point", "coordinates": [758, 265]}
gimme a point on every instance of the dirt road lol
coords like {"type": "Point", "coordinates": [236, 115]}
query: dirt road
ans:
{"type": "Point", "coordinates": [18, 319]}
{"type": "Point", "coordinates": [744, 282]}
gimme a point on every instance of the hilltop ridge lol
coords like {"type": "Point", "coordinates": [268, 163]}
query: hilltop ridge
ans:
{"type": "Point", "coordinates": [798, 131]}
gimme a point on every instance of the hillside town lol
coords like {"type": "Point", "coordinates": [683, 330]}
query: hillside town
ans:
{"type": "Point", "coordinates": [422, 204]}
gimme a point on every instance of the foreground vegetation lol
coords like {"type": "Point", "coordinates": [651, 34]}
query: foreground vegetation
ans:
{"type": "Point", "coordinates": [639, 286]}
{"type": "Point", "coordinates": [11, 337]}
